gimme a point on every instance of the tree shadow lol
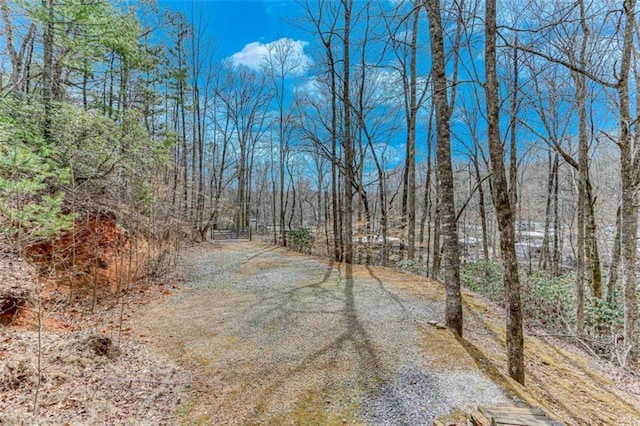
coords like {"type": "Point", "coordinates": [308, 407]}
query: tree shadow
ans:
{"type": "Point", "coordinates": [385, 289]}
{"type": "Point", "coordinates": [258, 254]}
{"type": "Point", "coordinates": [489, 368]}
{"type": "Point", "coordinates": [350, 342]}
{"type": "Point", "coordinates": [356, 332]}
{"type": "Point", "coordinates": [493, 371]}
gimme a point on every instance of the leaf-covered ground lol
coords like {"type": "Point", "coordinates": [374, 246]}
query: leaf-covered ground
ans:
{"type": "Point", "coordinates": [84, 367]}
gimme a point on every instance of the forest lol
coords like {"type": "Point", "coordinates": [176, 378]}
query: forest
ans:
{"type": "Point", "coordinates": [491, 145]}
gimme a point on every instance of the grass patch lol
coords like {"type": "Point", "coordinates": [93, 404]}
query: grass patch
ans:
{"type": "Point", "coordinates": [313, 407]}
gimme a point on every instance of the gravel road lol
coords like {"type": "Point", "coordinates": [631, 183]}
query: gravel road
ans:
{"type": "Point", "coordinates": [274, 337]}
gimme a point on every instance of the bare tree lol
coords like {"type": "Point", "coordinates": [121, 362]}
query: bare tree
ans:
{"type": "Point", "coordinates": [20, 60]}
{"type": "Point", "coordinates": [244, 96]}
{"type": "Point", "coordinates": [347, 140]}
{"type": "Point", "coordinates": [324, 16]}
{"type": "Point", "coordinates": [630, 166]}
{"type": "Point", "coordinates": [403, 28]}
{"type": "Point", "coordinates": [453, 314]}
{"type": "Point", "coordinates": [281, 62]}
{"type": "Point", "coordinates": [504, 210]}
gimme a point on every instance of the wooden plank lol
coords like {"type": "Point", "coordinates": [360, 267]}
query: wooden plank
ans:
{"type": "Point", "coordinates": [520, 420]}
{"type": "Point", "coordinates": [512, 410]}
{"type": "Point", "coordinates": [478, 419]}
{"type": "Point", "coordinates": [516, 416]}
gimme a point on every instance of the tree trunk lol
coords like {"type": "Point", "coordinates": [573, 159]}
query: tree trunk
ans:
{"type": "Point", "coordinates": [426, 201]}
{"type": "Point", "coordinates": [504, 211]}
{"type": "Point", "coordinates": [453, 313]}
{"type": "Point", "coordinates": [282, 206]}
{"type": "Point", "coordinates": [557, 249]}
{"type": "Point", "coordinates": [580, 269]}
{"type": "Point", "coordinates": [437, 253]}
{"type": "Point", "coordinates": [628, 208]}
{"type": "Point", "coordinates": [409, 189]}
{"type": "Point", "coordinates": [47, 68]}
{"type": "Point", "coordinates": [545, 253]}
{"type": "Point", "coordinates": [482, 208]}
{"type": "Point", "coordinates": [335, 210]}
{"type": "Point", "coordinates": [348, 143]}
{"type": "Point", "coordinates": [591, 244]}
{"type": "Point", "coordinates": [615, 261]}
{"type": "Point", "coordinates": [513, 157]}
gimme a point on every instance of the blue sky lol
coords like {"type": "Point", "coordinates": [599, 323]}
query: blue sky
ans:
{"type": "Point", "coordinates": [242, 28]}
{"type": "Point", "coordinates": [234, 24]}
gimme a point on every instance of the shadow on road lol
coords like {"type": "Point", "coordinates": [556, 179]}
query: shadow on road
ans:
{"type": "Point", "coordinates": [356, 333]}
{"type": "Point", "coordinates": [385, 289]}
{"type": "Point", "coordinates": [337, 342]}
{"type": "Point", "coordinates": [260, 253]}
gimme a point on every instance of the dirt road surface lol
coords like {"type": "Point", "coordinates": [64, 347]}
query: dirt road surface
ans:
{"type": "Point", "coordinates": [274, 337]}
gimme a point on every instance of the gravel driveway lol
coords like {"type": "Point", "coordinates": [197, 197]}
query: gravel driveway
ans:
{"type": "Point", "coordinates": [274, 337]}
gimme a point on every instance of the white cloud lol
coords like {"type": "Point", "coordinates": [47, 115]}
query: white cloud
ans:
{"type": "Point", "coordinates": [251, 55]}
{"type": "Point", "coordinates": [255, 55]}
{"type": "Point", "coordinates": [310, 87]}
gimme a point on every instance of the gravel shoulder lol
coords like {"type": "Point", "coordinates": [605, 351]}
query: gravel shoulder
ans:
{"type": "Point", "coordinates": [274, 337]}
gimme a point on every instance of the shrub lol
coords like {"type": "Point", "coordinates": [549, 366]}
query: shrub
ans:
{"type": "Point", "coordinates": [604, 318]}
{"type": "Point", "coordinates": [300, 239]}
{"type": "Point", "coordinates": [549, 301]}
{"type": "Point", "coordinates": [414, 266]}
{"type": "Point", "coordinates": [31, 201]}
{"type": "Point", "coordinates": [483, 276]}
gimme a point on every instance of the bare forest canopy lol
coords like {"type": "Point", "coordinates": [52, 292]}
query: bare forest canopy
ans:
{"type": "Point", "coordinates": [447, 137]}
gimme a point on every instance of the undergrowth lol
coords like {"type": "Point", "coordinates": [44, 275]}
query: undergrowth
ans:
{"type": "Point", "coordinates": [300, 239]}
{"type": "Point", "coordinates": [414, 266]}
{"type": "Point", "coordinates": [548, 302]}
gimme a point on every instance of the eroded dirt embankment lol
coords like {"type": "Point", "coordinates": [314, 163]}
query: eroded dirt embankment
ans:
{"type": "Point", "coordinates": [71, 363]}
{"type": "Point", "coordinates": [273, 337]}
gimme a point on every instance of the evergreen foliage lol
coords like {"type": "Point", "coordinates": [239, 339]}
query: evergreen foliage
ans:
{"type": "Point", "coordinates": [300, 239]}
{"type": "Point", "coordinates": [31, 199]}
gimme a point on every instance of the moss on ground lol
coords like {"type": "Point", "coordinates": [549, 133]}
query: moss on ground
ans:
{"type": "Point", "coordinates": [566, 385]}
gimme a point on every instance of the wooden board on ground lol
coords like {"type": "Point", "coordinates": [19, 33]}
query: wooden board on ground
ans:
{"type": "Point", "coordinates": [478, 419]}
{"type": "Point", "coordinates": [516, 416]}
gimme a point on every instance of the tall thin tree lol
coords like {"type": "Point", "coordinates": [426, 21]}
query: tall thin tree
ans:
{"type": "Point", "coordinates": [504, 210]}
{"type": "Point", "coordinates": [444, 168]}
